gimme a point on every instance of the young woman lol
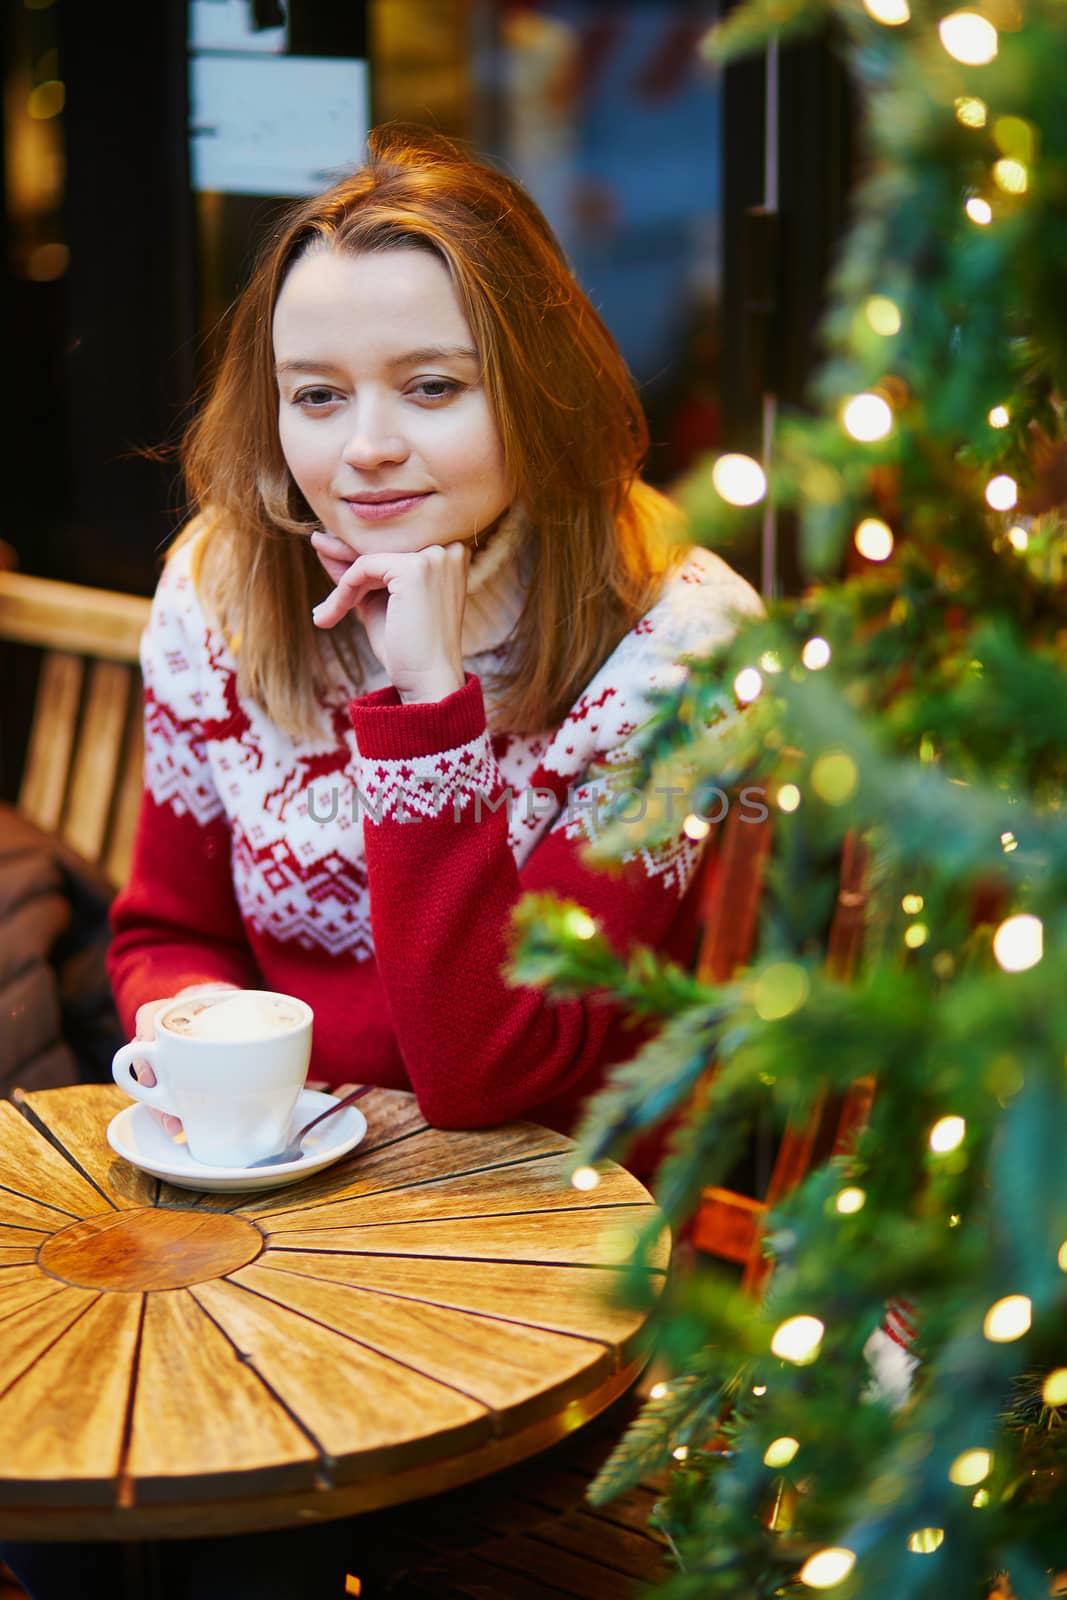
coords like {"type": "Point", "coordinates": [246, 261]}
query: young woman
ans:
{"type": "Point", "coordinates": [407, 639]}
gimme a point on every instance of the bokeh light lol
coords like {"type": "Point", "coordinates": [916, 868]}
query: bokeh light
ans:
{"type": "Point", "coordinates": [969, 38]}
{"type": "Point", "coordinates": [740, 480]}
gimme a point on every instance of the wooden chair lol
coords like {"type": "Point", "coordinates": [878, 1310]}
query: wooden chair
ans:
{"type": "Point", "coordinates": [81, 778]}
{"type": "Point", "coordinates": [729, 1224]}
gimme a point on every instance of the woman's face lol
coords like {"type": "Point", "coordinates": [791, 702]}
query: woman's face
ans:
{"type": "Point", "coordinates": [383, 417]}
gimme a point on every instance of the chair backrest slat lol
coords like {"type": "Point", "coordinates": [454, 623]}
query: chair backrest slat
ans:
{"type": "Point", "coordinates": [83, 768]}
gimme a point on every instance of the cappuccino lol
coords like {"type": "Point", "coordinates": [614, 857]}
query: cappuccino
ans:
{"type": "Point", "coordinates": [236, 1016]}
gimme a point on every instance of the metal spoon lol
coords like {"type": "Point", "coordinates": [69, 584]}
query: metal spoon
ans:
{"type": "Point", "coordinates": [294, 1149]}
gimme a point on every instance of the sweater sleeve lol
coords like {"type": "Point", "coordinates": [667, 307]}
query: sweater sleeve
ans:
{"type": "Point", "coordinates": [176, 922]}
{"type": "Point", "coordinates": [443, 884]}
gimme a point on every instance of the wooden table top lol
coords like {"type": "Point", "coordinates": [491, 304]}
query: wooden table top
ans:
{"type": "Point", "coordinates": [432, 1308]}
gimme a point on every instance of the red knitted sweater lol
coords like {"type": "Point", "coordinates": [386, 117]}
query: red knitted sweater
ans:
{"type": "Point", "coordinates": [373, 870]}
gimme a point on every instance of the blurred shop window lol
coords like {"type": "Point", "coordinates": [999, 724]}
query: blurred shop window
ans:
{"type": "Point", "coordinates": [611, 118]}
{"type": "Point", "coordinates": [278, 106]}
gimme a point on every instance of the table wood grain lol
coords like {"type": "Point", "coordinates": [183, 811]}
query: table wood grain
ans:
{"type": "Point", "coordinates": [433, 1308]}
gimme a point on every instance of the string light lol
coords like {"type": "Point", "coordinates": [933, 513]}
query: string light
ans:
{"type": "Point", "coordinates": [998, 417]}
{"type": "Point", "coordinates": [585, 1178]}
{"type": "Point", "coordinates": [1008, 1319]}
{"type": "Point", "coordinates": [769, 661]}
{"type": "Point", "coordinates": [834, 777]}
{"type": "Point", "coordinates": [1002, 492]}
{"type": "Point", "coordinates": [740, 480]}
{"type": "Point", "coordinates": [916, 936]}
{"type": "Point", "coordinates": [1010, 175]}
{"type": "Point", "coordinates": [658, 1391]}
{"type": "Point", "coordinates": [781, 989]}
{"type": "Point", "coordinates": [971, 1467]}
{"type": "Point", "coordinates": [827, 1567]}
{"type": "Point", "coordinates": [759, 1389]}
{"type": "Point", "coordinates": [579, 924]}
{"type": "Point", "coordinates": [747, 685]}
{"type": "Point", "coordinates": [695, 827]}
{"type": "Point", "coordinates": [947, 1134]}
{"type": "Point", "coordinates": [912, 904]}
{"type": "Point", "coordinates": [1014, 136]}
{"type": "Point", "coordinates": [788, 797]}
{"type": "Point", "coordinates": [680, 1453]}
{"type": "Point", "coordinates": [874, 539]}
{"type": "Point", "coordinates": [924, 1541]}
{"type": "Point", "coordinates": [780, 1452]}
{"type": "Point", "coordinates": [971, 111]}
{"type": "Point", "coordinates": [1018, 538]}
{"type": "Point", "coordinates": [979, 210]}
{"type": "Point", "coordinates": [1061, 1256]}
{"type": "Point", "coordinates": [883, 315]}
{"type": "Point", "coordinates": [867, 418]}
{"type": "Point", "coordinates": [849, 1201]}
{"type": "Point", "coordinates": [1019, 943]}
{"type": "Point", "coordinates": [969, 38]}
{"type": "Point", "coordinates": [889, 12]}
{"type": "Point", "coordinates": [1054, 1389]}
{"type": "Point", "coordinates": [815, 654]}
{"type": "Point", "coordinates": [1009, 843]}
{"type": "Point", "coordinates": [980, 1498]}
{"type": "Point", "coordinates": [798, 1339]}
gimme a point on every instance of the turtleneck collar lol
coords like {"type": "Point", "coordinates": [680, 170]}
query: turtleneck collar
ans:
{"type": "Point", "coordinates": [496, 590]}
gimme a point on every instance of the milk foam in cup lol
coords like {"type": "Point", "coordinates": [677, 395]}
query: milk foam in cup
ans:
{"type": "Point", "coordinates": [231, 1066]}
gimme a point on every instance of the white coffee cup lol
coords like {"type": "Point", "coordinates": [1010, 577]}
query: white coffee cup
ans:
{"type": "Point", "coordinates": [234, 1092]}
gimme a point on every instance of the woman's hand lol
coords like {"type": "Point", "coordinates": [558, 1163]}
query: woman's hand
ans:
{"type": "Point", "coordinates": [411, 605]}
{"type": "Point", "coordinates": [144, 1027]}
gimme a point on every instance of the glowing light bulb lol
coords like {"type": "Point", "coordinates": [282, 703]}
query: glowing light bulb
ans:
{"type": "Point", "coordinates": [1054, 1389]}
{"type": "Point", "coordinates": [1019, 943]}
{"type": "Point", "coordinates": [916, 936]}
{"type": "Point", "coordinates": [849, 1201]}
{"type": "Point", "coordinates": [874, 539]}
{"type": "Point", "coordinates": [696, 827]}
{"type": "Point", "coordinates": [788, 797]}
{"type": "Point", "coordinates": [781, 989]}
{"type": "Point", "coordinates": [585, 1178]}
{"type": "Point", "coordinates": [912, 904]}
{"type": "Point", "coordinates": [947, 1134]}
{"type": "Point", "coordinates": [815, 654]}
{"type": "Point", "coordinates": [579, 924]}
{"type": "Point", "coordinates": [883, 315]}
{"type": "Point", "coordinates": [924, 1541]}
{"type": "Point", "coordinates": [980, 1498]}
{"type": "Point", "coordinates": [739, 479]}
{"type": "Point", "coordinates": [780, 1452]}
{"type": "Point", "coordinates": [971, 1467]}
{"type": "Point", "coordinates": [798, 1339]}
{"type": "Point", "coordinates": [889, 12]}
{"type": "Point", "coordinates": [1010, 175]}
{"type": "Point", "coordinates": [747, 685]}
{"type": "Point", "coordinates": [999, 417]}
{"type": "Point", "coordinates": [867, 418]}
{"type": "Point", "coordinates": [1008, 1319]}
{"type": "Point", "coordinates": [971, 111]}
{"type": "Point", "coordinates": [769, 661]}
{"type": "Point", "coordinates": [834, 777]}
{"type": "Point", "coordinates": [681, 1452]}
{"type": "Point", "coordinates": [1019, 538]}
{"type": "Point", "coordinates": [1002, 492]}
{"type": "Point", "coordinates": [969, 38]}
{"type": "Point", "coordinates": [658, 1391]}
{"type": "Point", "coordinates": [1008, 843]}
{"type": "Point", "coordinates": [827, 1567]}
{"type": "Point", "coordinates": [979, 210]}
{"type": "Point", "coordinates": [759, 1389]}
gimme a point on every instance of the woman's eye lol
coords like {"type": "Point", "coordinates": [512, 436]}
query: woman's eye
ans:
{"type": "Point", "coordinates": [435, 388]}
{"type": "Point", "coordinates": [314, 398]}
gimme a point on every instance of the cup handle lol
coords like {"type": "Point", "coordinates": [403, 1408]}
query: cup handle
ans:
{"type": "Point", "coordinates": [139, 1050]}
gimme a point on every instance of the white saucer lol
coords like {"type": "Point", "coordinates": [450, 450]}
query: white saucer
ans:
{"type": "Point", "coordinates": [137, 1136]}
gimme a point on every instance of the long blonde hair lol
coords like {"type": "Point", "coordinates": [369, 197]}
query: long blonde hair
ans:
{"type": "Point", "coordinates": [600, 540]}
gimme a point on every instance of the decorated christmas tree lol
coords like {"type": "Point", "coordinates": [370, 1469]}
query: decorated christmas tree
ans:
{"type": "Point", "coordinates": [915, 709]}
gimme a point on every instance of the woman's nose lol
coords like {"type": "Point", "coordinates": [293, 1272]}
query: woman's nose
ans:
{"type": "Point", "coordinates": [374, 441]}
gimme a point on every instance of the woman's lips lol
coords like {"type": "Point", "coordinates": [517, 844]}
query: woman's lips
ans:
{"type": "Point", "coordinates": [381, 510]}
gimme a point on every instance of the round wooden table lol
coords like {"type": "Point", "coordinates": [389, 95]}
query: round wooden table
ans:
{"type": "Point", "coordinates": [429, 1310]}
